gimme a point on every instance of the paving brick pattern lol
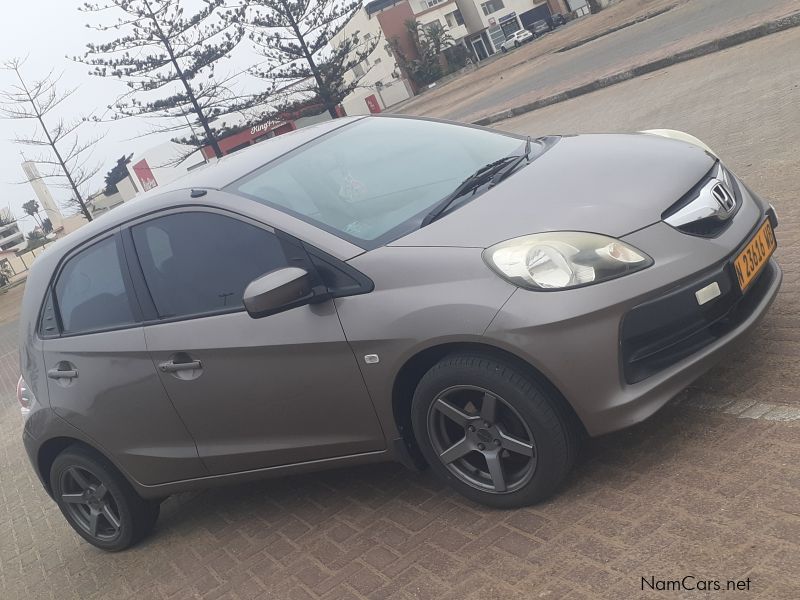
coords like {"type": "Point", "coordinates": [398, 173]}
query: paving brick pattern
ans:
{"type": "Point", "coordinates": [696, 490]}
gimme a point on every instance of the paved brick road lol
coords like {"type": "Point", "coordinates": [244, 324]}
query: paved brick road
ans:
{"type": "Point", "coordinates": [695, 491]}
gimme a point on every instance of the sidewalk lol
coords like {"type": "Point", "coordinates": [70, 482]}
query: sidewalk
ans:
{"type": "Point", "coordinates": [539, 70]}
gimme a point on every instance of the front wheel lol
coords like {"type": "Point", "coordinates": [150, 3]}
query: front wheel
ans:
{"type": "Point", "coordinates": [492, 431]}
{"type": "Point", "coordinates": [98, 502]}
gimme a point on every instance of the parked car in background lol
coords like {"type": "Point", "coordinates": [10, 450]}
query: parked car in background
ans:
{"type": "Point", "coordinates": [557, 20]}
{"type": "Point", "coordinates": [516, 39]}
{"type": "Point", "coordinates": [383, 288]}
{"type": "Point", "coordinates": [539, 28]}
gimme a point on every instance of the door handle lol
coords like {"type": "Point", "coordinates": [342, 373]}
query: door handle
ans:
{"type": "Point", "coordinates": [59, 374]}
{"type": "Point", "coordinates": [173, 367]}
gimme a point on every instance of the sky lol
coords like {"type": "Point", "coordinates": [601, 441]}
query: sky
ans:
{"type": "Point", "coordinates": [47, 31]}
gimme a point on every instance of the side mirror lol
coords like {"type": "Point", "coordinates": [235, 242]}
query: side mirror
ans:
{"type": "Point", "coordinates": [281, 290]}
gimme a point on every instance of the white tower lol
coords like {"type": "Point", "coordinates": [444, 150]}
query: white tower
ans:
{"type": "Point", "coordinates": [43, 194]}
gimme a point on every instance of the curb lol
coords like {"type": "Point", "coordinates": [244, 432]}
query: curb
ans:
{"type": "Point", "coordinates": [602, 34]}
{"type": "Point", "coordinates": [728, 41]}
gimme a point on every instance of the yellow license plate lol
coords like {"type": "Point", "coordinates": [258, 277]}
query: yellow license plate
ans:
{"type": "Point", "coordinates": [755, 255]}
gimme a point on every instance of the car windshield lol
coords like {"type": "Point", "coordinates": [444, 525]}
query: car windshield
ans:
{"type": "Point", "coordinates": [374, 180]}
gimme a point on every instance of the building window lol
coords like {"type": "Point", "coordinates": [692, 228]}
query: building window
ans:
{"type": "Point", "coordinates": [358, 71]}
{"type": "Point", "coordinates": [367, 36]}
{"type": "Point", "coordinates": [454, 19]}
{"type": "Point", "coordinates": [492, 6]}
{"type": "Point", "coordinates": [377, 61]}
{"type": "Point", "coordinates": [431, 3]}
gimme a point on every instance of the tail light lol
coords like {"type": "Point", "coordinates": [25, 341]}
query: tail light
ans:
{"type": "Point", "coordinates": [25, 397]}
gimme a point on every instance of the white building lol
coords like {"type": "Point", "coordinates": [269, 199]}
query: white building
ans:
{"type": "Point", "coordinates": [160, 165]}
{"type": "Point", "coordinates": [446, 13]}
{"type": "Point", "coordinates": [481, 26]}
{"type": "Point", "coordinates": [11, 238]}
{"type": "Point", "coordinates": [380, 83]}
{"type": "Point", "coordinates": [490, 22]}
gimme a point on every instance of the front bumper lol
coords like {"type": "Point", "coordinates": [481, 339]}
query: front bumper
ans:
{"type": "Point", "coordinates": [575, 337]}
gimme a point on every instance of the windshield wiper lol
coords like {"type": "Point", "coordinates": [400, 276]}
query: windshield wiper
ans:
{"type": "Point", "coordinates": [512, 166]}
{"type": "Point", "coordinates": [491, 174]}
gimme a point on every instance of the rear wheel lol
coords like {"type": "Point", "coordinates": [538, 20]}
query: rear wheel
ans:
{"type": "Point", "coordinates": [98, 502]}
{"type": "Point", "coordinates": [492, 432]}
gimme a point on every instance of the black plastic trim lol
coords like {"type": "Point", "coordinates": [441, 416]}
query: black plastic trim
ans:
{"type": "Point", "coordinates": [659, 333]}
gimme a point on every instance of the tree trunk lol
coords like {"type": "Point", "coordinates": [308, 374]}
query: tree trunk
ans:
{"type": "Point", "coordinates": [52, 144]}
{"type": "Point", "coordinates": [324, 93]}
{"type": "Point", "coordinates": [210, 137]}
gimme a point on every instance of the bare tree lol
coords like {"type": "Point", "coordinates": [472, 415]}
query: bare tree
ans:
{"type": "Point", "coordinates": [295, 36]}
{"type": "Point", "coordinates": [168, 59]}
{"type": "Point", "coordinates": [66, 156]}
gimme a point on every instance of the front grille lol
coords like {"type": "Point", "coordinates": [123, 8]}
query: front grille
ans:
{"type": "Point", "coordinates": [729, 197]}
{"type": "Point", "coordinates": [660, 333]}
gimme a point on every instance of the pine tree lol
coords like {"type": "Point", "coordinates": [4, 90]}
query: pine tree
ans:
{"type": "Point", "coordinates": [295, 36]}
{"type": "Point", "coordinates": [168, 59]}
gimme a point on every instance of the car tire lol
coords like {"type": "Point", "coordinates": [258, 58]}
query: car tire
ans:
{"type": "Point", "coordinates": [516, 44]}
{"type": "Point", "coordinates": [98, 502]}
{"type": "Point", "coordinates": [528, 423]}
{"type": "Point", "coordinates": [503, 49]}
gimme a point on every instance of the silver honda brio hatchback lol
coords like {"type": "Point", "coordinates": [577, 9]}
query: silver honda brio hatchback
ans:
{"type": "Point", "coordinates": [383, 288]}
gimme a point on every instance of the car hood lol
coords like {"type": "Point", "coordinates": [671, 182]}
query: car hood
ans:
{"type": "Point", "coordinates": [608, 184]}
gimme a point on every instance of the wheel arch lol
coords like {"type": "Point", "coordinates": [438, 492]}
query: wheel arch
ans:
{"type": "Point", "coordinates": [50, 449]}
{"type": "Point", "coordinates": [415, 367]}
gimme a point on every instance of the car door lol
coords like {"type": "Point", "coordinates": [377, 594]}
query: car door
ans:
{"type": "Point", "coordinates": [100, 376]}
{"type": "Point", "coordinates": [254, 393]}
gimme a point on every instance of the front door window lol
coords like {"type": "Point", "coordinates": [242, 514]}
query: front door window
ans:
{"type": "Point", "coordinates": [200, 263]}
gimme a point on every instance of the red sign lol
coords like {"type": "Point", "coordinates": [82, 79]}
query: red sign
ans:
{"type": "Point", "coordinates": [145, 175]}
{"type": "Point", "coordinates": [372, 104]}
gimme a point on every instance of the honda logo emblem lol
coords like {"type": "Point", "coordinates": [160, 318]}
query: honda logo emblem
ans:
{"type": "Point", "coordinates": [723, 197]}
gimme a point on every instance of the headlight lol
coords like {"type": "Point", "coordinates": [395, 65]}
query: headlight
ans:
{"type": "Point", "coordinates": [564, 259]}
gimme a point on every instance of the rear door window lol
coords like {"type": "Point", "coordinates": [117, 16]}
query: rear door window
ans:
{"type": "Point", "coordinates": [199, 263]}
{"type": "Point", "coordinates": [91, 290]}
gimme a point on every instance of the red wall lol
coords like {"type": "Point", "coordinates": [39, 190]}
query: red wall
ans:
{"type": "Point", "coordinates": [393, 23]}
{"type": "Point", "coordinates": [247, 136]}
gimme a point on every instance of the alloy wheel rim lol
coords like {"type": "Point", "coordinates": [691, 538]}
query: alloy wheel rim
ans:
{"type": "Point", "coordinates": [481, 439]}
{"type": "Point", "coordinates": [89, 503]}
